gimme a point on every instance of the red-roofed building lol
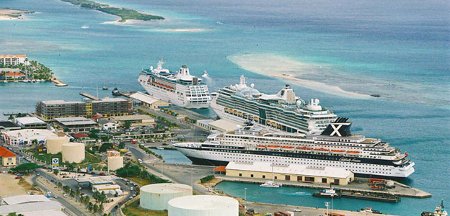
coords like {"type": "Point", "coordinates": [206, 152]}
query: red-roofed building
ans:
{"type": "Point", "coordinates": [7, 157]}
{"type": "Point", "coordinates": [79, 135]}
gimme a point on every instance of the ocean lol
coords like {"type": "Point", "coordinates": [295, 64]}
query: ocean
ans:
{"type": "Point", "coordinates": [398, 49]}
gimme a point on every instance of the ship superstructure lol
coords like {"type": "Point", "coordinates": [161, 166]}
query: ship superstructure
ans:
{"type": "Point", "coordinates": [179, 88]}
{"type": "Point", "coordinates": [335, 147]}
{"type": "Point", "coordinates": [283, 111]}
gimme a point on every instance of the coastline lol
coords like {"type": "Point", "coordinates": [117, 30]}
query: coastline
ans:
{"type": "Point", "coordinates": [291, 71]}
{"type": "Point", "coordinates": [13, 14]}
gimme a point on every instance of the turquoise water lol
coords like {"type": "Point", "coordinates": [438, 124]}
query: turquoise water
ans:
{"type": "Point", "coordinates": [304, 197]}
{"type": "Point", "coordinates": [398, 48]}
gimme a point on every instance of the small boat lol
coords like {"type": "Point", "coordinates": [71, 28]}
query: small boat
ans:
{"type": "Point", "coordinates": [160, 148]}
{"type": "Point", "coordinates": [85, 27]}
{"type": "Point", "coordinates": [327, 193]}
{"type": "Point", "coordinates": [60, 84]}
{"type": "Point", "coordinates": [369, 210]}
{"type": "Point", "coordinates": [375, 95]}
{"type": "Point", "coordinates": [115, 92]}
{"type": "Point", "coordinates": [105, 88]}
{"type": "Point", "coordinates": [438, 211]}
{"type": "Point", "coordinates": [271, 184]}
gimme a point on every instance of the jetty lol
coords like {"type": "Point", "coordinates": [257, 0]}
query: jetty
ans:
{"type": "Point", "coordinates": [354, 189]}
{"type": "Point", "coordinates": [58, 82]}
{"type": "Point", "coordinates": [87, 95]}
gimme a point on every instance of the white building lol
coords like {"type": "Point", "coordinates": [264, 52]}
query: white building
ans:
{"type": "Point", "coordinates": [30, 123]}
{"type": "Point", "coordinates": [30, 205]}
{"type": "Point", "coordinates": [26, 136]}
{"type": "Point", "coordinates": [110, 189]}
{"type": "Point", "coordinates": [147, 100]}
{"type": "Point", "coordinates": [109, 126]}
{"type": "Point", "coordinates": [222, 125]}
{"type": "Point", "coordinates": [293, 172]}
{"type": "Point", "coordinates": [12, 60]}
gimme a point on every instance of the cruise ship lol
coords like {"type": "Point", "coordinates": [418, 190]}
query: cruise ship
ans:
{"type": "Point", "coordinates": [179, 88]}
{"type": "Point", "coordinates": [283, 111]}
{"type": "Point", "coordinates": [335, 147]}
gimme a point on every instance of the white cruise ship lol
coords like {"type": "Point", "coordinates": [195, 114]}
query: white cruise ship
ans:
{"type": "Point", "coordinates": [283, 111]}
{"type": "Point", "coordinates": [179, 88]}
{"type": "Point", "coordinates": [335, 147]}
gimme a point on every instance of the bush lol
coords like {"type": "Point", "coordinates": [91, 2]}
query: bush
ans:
{"type": "Point", "coordinates": [207, 178]}
{"type": "Point", "coordinates": [25, 168]}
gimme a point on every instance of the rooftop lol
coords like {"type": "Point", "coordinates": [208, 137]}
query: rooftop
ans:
{"type": "Point", "coordinates": [107, 99]}
{"type": "Point", "coordinates": [56, 102]}
{"type": "Point", "coordinates": [291, 169]}
{"type": "Point", "coordinates": [132, 117]}
{"type": "Point", "coordinates": [225, 125]}
{"type": "Point", "coordinates": [13, 56]}
{"type": "Point", "coordinates": [21, 199]}
{"type": "Point", "coordinates": [8, 124]}
{"type": "Point", "coordinates": [70, 121]}
{"type": "Point", "coordinates": [28, 121]}
{"type": "Point", "coordinates": [4, 152]}
{"type": "Point", "coordinates": [34, 208]}
{"type": "Point", "coordinates": [30, 133]}
{"type": "Point", "coordinates": [143, 97]}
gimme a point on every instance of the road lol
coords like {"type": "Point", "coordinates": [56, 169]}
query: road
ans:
{"type": "Point", "coordinates": [48, 186]}
{"type": "Point", "coordinates": [183, 174]}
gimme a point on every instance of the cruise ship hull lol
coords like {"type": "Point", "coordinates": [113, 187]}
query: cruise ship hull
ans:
{"type": "Point", "coordinates": [217, 158]}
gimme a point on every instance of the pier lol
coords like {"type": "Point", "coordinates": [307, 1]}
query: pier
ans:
{"type": "Point", "coordinates": [87, 95]}
{"type": "Point", "coordinates": [354, 189]}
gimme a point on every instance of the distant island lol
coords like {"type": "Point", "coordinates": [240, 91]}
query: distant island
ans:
{"type": "Point", "coordinates": [124, 13]}
{"type": "Point", "coordinates": [12, 14]}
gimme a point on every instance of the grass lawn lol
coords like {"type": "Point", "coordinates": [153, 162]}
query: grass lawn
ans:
{"type": "Point", "coordinates": [140, 181]}
{"type": "Point", "coordinates": [133, 209]}
{"type": "Point", "coordinates": [91, 158]}
{"type": "Point", "coordinates": [46, 157]}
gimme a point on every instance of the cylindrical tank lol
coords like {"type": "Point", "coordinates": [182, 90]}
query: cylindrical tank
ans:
{"type": "Point", "coordinates": [115, 162]}
{"type": "Point", "coordinates": [156, 196]}
{"type": "Point", "coordinates": [54, 144]}
{"type": "Point", "coordinates": [203, 205]}
{"type": "Point", "coordinates": [73, 152]}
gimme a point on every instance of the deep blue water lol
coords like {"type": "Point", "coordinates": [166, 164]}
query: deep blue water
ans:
{"type": "Point", "coordinates": [363, 44]}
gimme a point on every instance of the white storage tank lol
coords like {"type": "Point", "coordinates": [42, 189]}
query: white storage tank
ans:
{"type": "Point", "coordinates": [156, 196]}
{"type": "Point", "coordinates": [115, 163]}
{"type": "Point", "coordinates": [54, 144]}
{"type": "Point", "coordinates": [73, 152]}
{"type": "Point", "coordinates": [203, 205]}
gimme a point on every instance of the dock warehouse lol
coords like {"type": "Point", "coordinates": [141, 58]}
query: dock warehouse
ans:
{"type": "Point", "coordinates": [76, 124]}
{"type": "Point", "coordinates": [293, 172]}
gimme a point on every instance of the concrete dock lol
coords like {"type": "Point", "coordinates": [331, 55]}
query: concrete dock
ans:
{"type": "Point", "coordinates": [87, 95]}
{"type": "Point", "coordinates": [359, 185]}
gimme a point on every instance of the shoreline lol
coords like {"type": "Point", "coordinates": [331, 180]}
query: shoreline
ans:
{"type": "Point", "coordinates": [292, 71]}
{"type": "Point", "coordinates": [13, 14]}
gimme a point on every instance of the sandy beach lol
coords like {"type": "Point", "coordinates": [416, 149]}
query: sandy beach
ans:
{"type": "Point", "coordinates": [12, 14]}
{"type": "Point", "coordinates": [291, 71]}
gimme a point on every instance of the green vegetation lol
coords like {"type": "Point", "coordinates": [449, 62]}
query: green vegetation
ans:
{"type": "Point", "coordinates": [46, 158]}
{"type": "Point", "coordinates": [25, 168]}
{"type": "Point", "coordinates": [123, 13]}
{"type": "Point", "coordinates": [133, 209]}
{"type": "Point", "coordinates": [33, 70]}
{"type": "Point", "coordinates": [207, 179]}
{"type": "Point", "coordinates": [138, 173]}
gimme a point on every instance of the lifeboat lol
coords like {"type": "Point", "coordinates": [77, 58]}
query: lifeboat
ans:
{"type": "Point", "coordinates": [337, 150]}
{"type": "Point", "coordinates": [353, 152]}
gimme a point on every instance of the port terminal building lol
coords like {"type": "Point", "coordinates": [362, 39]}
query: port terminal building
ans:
{"type": "Point", "coordinates": [76, 124]}
{"type": "Point", "coordinates": [142, 99]}
{"type": "Point", "coordinates": [51, 109]}
{"type": "Point", "coordinates": [292, 172]}
{"type": "Point", "coordinates": [30, 123]}
{"type": "Point", "coordinates": [30, 205]}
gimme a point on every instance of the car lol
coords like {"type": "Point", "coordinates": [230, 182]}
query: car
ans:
{"type": "Point", "coordinates": [18, 177]}
{"type": "Point", "coordinates": [297, 210]}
